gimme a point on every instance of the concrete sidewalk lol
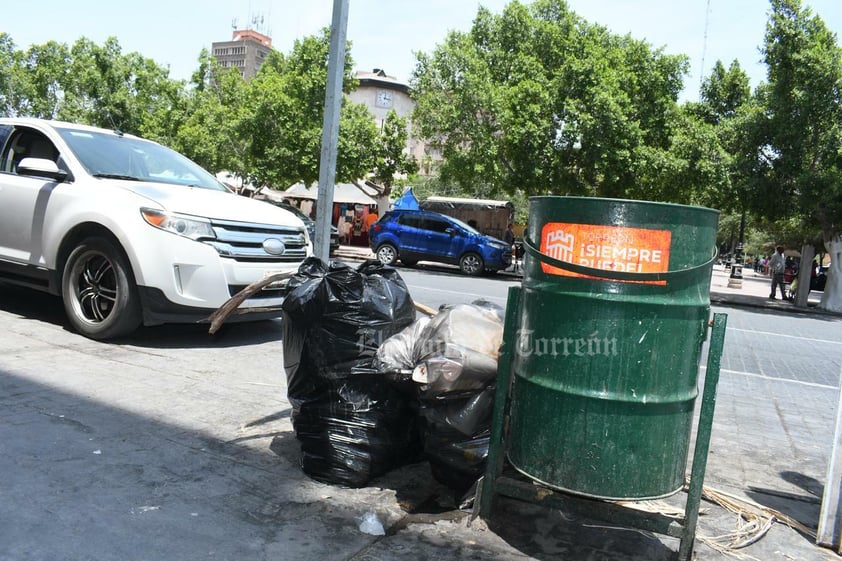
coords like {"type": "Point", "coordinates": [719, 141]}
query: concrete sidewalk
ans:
{"type": "Point", "coordinates": [754, 292]}
{"type": "Point", "coordinates": [173, 446]}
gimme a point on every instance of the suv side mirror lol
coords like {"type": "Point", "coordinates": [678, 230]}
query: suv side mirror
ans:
{"type": "Point", "coordinates": [41, 167]}
{"type": "Point", "coordinates": [451, 231]}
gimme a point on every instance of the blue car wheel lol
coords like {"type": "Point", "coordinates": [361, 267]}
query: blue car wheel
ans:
{"type": "Point", "coordinates": [471, 264]}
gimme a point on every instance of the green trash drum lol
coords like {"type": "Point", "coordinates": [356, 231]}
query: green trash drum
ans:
{"type": "Point", "coordinates": [613, 314]}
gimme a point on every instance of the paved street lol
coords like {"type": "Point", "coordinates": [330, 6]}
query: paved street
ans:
{"type": "Point", "coordinates": [176, 445]}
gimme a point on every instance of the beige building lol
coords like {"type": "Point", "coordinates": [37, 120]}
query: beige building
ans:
{"type": "Point", "coordinates": [246, 51]}
{"type": "Point", "coordinates": [381, 93]}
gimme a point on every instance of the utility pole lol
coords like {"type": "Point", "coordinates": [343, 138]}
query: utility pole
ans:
{"type": "Point", "coordinates": [330, 129]}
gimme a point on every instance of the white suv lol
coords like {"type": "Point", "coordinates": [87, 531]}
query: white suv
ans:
{"type": "Point", "coordinates": [129, 232]}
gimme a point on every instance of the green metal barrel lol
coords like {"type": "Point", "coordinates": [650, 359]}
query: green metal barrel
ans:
{"type": "Point", "coordinates": [614, 310]}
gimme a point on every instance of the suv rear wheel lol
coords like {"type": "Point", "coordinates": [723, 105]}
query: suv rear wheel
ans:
{"type": "Point", "coordinates": [387, 254]}
{"type": "Point", "coordinates": [471, 264]}
{"type": "Point", "coordinates": [100, 296]}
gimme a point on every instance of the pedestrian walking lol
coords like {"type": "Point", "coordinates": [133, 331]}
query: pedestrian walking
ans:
{"type": "Point", "coordinates": [776, 269]}
{"type": "Point", "coordinates": [509, 235]}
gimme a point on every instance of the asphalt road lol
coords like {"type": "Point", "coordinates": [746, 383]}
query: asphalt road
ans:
{"type": "Point", "coordinates": [173, 444]}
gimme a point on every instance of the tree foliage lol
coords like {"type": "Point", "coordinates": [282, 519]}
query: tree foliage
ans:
{"type": "Point", "coordinates": [803, 155]}
{"type": "Point", "coordinates": [391, 158]}
{"type": "Point", "coordinates": [207, 129]}
{"type": "Point", "coordinates": [285, 117]}
{"type": "Point", "coordinates": [727, 112]}
{"type": "Point", "coordinates": [724, 92]}
{"type": "Point", "coordinates": [13, 84]}
{"type": "Point", "coordinates": [538, 99]}
{"type": "Point", "coordinates": [268, 130]}
{"type": "Point", "coordinates": [87, 83]}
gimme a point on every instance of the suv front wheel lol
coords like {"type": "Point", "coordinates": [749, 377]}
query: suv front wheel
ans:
{"type": "Point", "coordinates": [471, 264]}
{"type": "Point", "coordinates": [100, 296]}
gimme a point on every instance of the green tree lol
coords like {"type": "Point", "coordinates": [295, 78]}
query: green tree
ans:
{"type": "Point", "coordinates": [391, 157]}
{"type": "Point", "coordinates": [694, 170]}
{"type": "Point", "coordinates": [803, 176]}
{"type": "Point", "coordinates": [285, 118]}
{"type": "Point", "coordinates": [540, 100]}
{"type": "Point", "coordinates": [726, 109]}
{"type": "Point", "coordinates": [106, 88]}
{"type": "Point", "coordinates": [724, 92]}
{"type": "Point", "coordinates": [86, 83]}
{"type": "Point", "coordinates": [12, 78]}
{"type": "Point", "coordinates": [208, 132]}
{"type": "Point", "coordinates": [43, 77]}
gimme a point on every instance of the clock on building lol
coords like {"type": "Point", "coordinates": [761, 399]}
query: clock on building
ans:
{"type": "Point", "coordinates": [384, 99]}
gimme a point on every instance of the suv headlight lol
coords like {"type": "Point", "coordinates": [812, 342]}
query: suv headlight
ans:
{"type": "Point", "coordinates": [191, 227]}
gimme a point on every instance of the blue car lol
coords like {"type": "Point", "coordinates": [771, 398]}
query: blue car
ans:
{"type": "Point", "coordinates": [418, 235]}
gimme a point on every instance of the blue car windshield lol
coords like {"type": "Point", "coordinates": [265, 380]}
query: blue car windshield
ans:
{"type": "Point", "coordinates": [115, 156]}
{"type": "Point", "coordinates": [461, 224]}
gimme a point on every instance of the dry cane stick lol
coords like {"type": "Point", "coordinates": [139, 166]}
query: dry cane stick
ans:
{"type": "Point", "coordinates": [221, 314]}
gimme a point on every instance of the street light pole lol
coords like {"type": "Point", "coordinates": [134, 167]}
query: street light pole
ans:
{"type": "Point", "coordinates": [330, 129]}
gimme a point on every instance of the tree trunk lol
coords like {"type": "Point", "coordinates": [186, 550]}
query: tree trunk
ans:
{"type": "Point", "coordinates": [805, 271]}
{"type": "Point", "coordinates": [832, 297]}
{"type": "Point", "coordinates": [382, 204]}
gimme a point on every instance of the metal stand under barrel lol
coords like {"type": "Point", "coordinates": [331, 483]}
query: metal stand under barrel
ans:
{"type": "Point", "coordinates": [496, 482]}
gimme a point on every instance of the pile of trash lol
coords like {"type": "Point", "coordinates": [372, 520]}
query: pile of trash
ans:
{"type": "Point", "coordinates": [352, 424]}
{"type": "Point", "coordinates": [451, 359]}
{"type": "Point", "coordinates": [373, 389]}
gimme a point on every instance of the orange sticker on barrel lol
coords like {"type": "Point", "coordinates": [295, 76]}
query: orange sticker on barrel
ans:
{"type": "Point", "coordinates": [609, 248]}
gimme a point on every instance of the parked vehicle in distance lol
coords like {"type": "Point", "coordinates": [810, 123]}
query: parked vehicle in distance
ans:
{"type": "Point", "coordinates": [490, 217]}
{"type": "Point", "coordinates": [418, 235]}
{"type": "Point", "coordinates": [129, 232]}
{"type": "Point", "coordinates": [309, 223]}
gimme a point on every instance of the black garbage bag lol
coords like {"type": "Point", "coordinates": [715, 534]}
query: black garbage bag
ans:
{"type": "Point", "coordinates": [456, 435]}
{"type": "Point", "coordinates": [456, 461]}
{"type": "Point", "coordinates": [355, 430]}
{"type": "Point", "coordinates": [351, 423]}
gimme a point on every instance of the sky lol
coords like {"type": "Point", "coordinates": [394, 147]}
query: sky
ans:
{"type": "Point", "coordinates": [386, 33]}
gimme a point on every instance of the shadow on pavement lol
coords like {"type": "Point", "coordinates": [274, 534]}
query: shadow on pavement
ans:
{"type": "Point", "coordinates": [32, 304]}
{"type": "Point", "coordinates": [85, 480]}
{"type": "Point", "coordinates": [805, 508]}
{"type": "Point", "coordinates": [537, 531]}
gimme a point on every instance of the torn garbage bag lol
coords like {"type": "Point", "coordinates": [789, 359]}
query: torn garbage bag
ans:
{"type": "Point", "coordinates": [452, 358]}
{"type": "Point", "coordinates": [351, 423]}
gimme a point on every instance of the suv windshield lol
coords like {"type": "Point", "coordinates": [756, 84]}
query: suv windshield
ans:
{"type": "Point", "coordinates": [122, 157]}
{"type": "Point", "coordinates": [467, 227]}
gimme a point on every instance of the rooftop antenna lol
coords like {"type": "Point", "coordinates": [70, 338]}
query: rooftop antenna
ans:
{"type": "Point", "coordinates": [234, 23]}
